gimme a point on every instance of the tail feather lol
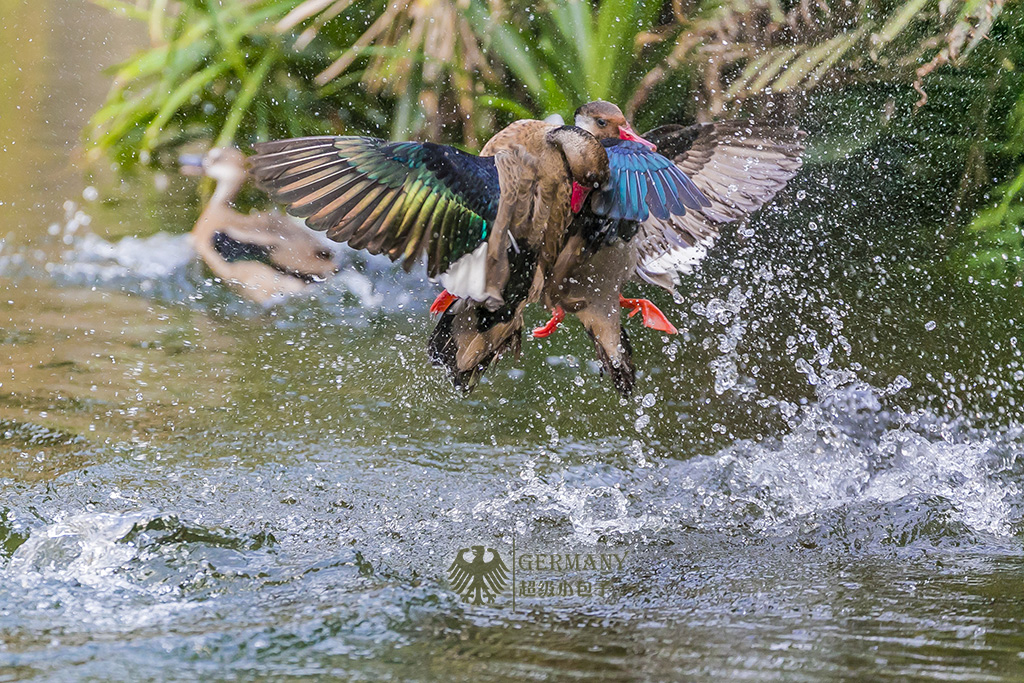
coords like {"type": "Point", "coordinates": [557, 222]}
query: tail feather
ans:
{"type": "Point", "coordinates": [467, 339]}
{"type": "Point", "coordinates": [469, 336]}
{"type": "Point", "coordinates": [619, 366]}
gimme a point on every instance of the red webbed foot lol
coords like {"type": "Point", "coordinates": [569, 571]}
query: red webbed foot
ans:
{"type": "Point", "coordinates": [557, 316]}
{"type": "Point", "coordinates": [442, 302]}
{"type": "Point", "coordinates": [652, 317]}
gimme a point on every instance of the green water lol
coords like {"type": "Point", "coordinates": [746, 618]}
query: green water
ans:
{"type": "Point", "coordinates": [818, 480]}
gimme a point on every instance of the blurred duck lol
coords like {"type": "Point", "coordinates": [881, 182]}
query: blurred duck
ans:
{"type": "Point", "coordinates": [263, 256]}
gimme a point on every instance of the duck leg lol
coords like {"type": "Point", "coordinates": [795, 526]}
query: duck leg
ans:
{"type": "Point", "coordinates": [612, 345]}
{"type": "Point", "coordinates": [442, 302]}
{"type": "Point", "coordinates": [652, 317]}
{"type": "Point", "coordinates": [557, 316]}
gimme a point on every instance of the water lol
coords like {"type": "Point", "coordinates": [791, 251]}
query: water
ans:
{"type": "Point", "coordinates": [818, 479]}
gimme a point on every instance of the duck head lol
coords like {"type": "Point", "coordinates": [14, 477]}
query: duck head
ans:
{"type": "Point", "coordinates": [586, 158]}
{"type": "Point", "coordinates": [604, 120]}
{"type": "Point", "coordinates": [226, 165]}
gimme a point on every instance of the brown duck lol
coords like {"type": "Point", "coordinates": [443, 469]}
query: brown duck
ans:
{"type": "Point", "coordinates": [263, 256]}
{"type": "Point", "coordinates": [490, 226]}
{"type": "Point", "coordinates": [718, 172]}
{"type": "Point", "coordinates": [560, 213]}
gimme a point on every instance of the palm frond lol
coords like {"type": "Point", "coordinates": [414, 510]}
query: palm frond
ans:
{"type": "Point", "coordinates": [750, 48]}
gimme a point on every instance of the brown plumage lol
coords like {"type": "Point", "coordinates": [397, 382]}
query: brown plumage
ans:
{"type": "Point", "coordinates": [263, 256]}
{"type": "Point", "coordinates": [490, 226]}
{"type": "Point", "coordinates": [736, 166]}
{"type": "Point", "coordinates": [539, 162]}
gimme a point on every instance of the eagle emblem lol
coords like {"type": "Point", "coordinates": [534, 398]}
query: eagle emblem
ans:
{"type": "Point", "coordinates": [480, 578]}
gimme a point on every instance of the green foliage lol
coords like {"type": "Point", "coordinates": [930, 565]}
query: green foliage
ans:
{"type": "Point", "coordinates": [747, 48]}
{"type": "Point", "coordinates": [232, 71]}
{"type": "Point", "coordinates": [215, 71]}
{"type": "Point", "coordinates": [992, 248]}
{"type": "Point", "coordinates": [455, 69]}
{"type": "Point", "coordinates": [998, 253]}
{"type": "Point", "coordinates": [573, 53]}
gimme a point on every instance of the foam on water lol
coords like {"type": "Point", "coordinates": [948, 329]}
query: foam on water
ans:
{"type": "Point", "coordinates": [166, 267]}
{"type": "Point", "coordinates": [838, 460]}
{"type": "Point", "coordinates": [94, 259]}
{"type": "Point", "coordinates": [854, 471]}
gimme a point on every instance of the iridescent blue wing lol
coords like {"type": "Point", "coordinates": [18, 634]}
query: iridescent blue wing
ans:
{"type": "Point", "coordinates": [644, 183]}
{"type": "Point", "coordinates": [738, 166]}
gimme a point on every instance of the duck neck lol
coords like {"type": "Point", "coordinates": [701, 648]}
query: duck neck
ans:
{"type": "Point", "coordinates": [226, 190]}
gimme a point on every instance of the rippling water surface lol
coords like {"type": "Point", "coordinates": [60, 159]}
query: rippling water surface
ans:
{"type": "Point", "coordinates": [819, 479]}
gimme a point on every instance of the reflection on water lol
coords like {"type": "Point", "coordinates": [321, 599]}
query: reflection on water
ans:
{"type": "Point", "coordinates": [818, 479]}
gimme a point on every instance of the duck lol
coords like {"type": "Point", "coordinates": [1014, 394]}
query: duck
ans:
{"type": "Point", "coordinates": [264, 256]}
{"type": "Point", "coordinates": [560, 214]}
{"type": "Point", "coordinates": [489, 226]}
{"type": "Point", "coordinates": [730, 170]}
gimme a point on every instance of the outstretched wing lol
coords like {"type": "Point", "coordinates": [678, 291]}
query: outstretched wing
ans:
{"type": "Point", "coordinates": [644, 183]}
{"type": "Point", "coordinates": [402, 199]}
{"type": "Point", "coordinates": [737, 166]}
{"type": "Point", "coordinates": [460, 574]}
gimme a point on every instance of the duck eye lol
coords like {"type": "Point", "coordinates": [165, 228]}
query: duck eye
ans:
{"type": "Point", "coordinates": [602, 123]}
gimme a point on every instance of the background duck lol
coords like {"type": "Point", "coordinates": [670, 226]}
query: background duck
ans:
{"type": "Point", "coordinates": [263, 256]}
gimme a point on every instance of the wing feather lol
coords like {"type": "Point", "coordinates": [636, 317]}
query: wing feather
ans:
{"type": "Point", "coordinates": [737, 165]}
{"type": "Point", "coordinates": [737, 168]}
{"type": "Point", "coordinates": [378, 221]}
{"type": "Point", "coordinates": [399, 198]}
{"type": "Point", "coordinates": [634, 170]}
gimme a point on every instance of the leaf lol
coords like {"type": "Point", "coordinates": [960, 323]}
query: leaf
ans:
{"type": "Point", "coordinates": [244, 98]}
{"type": "Point", "coordinates": [179, 96]}
{"type": "Point", "coordinates": [898, 22]}
{"type": "Point", "coordinates": [507, 105]}
{"type": "Point", "coordinates": [782, 58]}
{"type": "Point", "coordinates": [123, 8]}
{"type": "Point", "coordinates": [807, 61]}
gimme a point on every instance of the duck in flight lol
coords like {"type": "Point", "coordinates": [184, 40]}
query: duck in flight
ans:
{"type": "Point", "coordinates": [263, 256]}
{"type": "Point", "coordinates": [668, 195]}
{"type": "Point", "coordinates": [526, 221]}
{"type": "Point", "coordinates": [702, 177]}
{"type": "Point", "coordinates": [489, 226]}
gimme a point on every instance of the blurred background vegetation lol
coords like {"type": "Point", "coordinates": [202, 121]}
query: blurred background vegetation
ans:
{"type": "Point", "coordinates": [915, 109]}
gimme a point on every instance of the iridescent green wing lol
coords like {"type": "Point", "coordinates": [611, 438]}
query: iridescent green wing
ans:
{"type": "Point", "coordinates": [402, 199]}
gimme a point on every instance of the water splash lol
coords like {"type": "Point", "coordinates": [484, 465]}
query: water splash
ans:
{"type": "Point", "coordinates": [727, 313]}
{"type": "Point", "coordinates": [145, 262]}
{"type": "Point", "coordinates": [588, 498]}
{"type": "Point", "coordinates": [850, 469]}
